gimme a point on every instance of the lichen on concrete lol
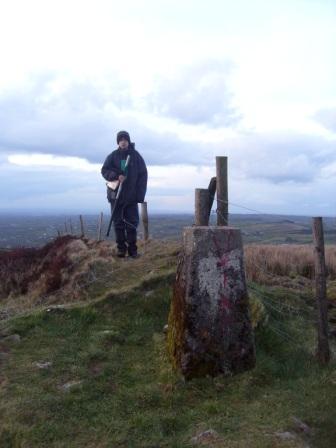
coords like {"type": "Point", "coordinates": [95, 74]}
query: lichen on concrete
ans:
{"type": "Point", "coordinates": [210, 330]}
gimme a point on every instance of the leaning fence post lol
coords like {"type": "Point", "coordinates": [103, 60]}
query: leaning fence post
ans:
{"type": "Point", "coordinates": [323, 351]}
{"type": "Point", "coordinates": [82, 226]}
{"type": "Point", "coordinates": [222, 191]}
{"type": "Point", "coordinates": [202, 205]}
{"type": "Point", "coordinates": [100, 226]}
{"type": "Point", "coordinates": [144, 218]}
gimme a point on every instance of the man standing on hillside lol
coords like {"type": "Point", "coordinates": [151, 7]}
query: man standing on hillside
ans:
{"type": "Point", "coordinates": [134, 180]}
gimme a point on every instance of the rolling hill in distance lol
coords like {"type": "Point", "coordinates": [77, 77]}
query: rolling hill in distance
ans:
{"type": "Point", "coordinates": [34, 231]}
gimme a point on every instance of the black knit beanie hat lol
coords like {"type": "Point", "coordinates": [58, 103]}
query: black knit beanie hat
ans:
{"type": "Point", "coordinates": [123, 134]}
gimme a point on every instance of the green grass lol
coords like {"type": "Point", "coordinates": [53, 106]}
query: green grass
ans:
{"type": "Point", "coordinates": [128, 395]}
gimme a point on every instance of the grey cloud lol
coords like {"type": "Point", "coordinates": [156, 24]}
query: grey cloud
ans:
{"type": "Point", "coordinates": [82, 121]}
{"type": "Point", "coordinates": [327, 117]}
{"type": "Point", "coordinates": [18, 182]}
{"type": "Point", "coordinates": [79, 121]}
{"type": "Point", "coordinates": [281, 158]}
{"type": "Point", "coordinates": [259, 167]}
{"type": "Point", "coordinates": [50, 190]}
{"type": "Point", "coordinates": [197, 94]}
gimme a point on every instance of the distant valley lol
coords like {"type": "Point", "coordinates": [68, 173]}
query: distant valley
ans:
{"type": "Point", "coordinates": [33, 231]}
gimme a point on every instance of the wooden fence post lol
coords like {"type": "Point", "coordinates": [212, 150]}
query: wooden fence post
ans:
{"type": "Point", "coordinates": [82, 226]}
{"type": "Point", "coordinates": [100, 226]}
{"type": "Point", "coordinates": [65, 228]}
{"type": "Point", "coordinates": [222, 191]}
{"type": "Point", "coordinates": [202, 205]}
{"type": "Point", "coordinates": [71, 228]}
{"type": "Point", "coordinates": [323, 351]}
{"type": "Point", "coordinates": [144, 218]}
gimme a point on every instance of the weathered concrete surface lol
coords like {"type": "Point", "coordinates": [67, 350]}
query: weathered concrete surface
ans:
{"type": "Point", "coordinates": [209, 328]}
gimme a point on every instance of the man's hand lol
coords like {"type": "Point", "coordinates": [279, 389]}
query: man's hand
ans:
{"type": "Point", "coordinates": [121, 178]}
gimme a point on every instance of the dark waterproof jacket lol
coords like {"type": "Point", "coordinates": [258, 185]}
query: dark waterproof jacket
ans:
{"type": "Point", "coordinates": [135, 186]}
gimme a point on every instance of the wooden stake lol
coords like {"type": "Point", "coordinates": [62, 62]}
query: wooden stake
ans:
{"type": "Point", "coordinates": [144, 217]}
{"type": "Point", "coordinates": [71, 228]}
{"type": "Point", "coordinates": [222, 191]}
{"type": "Point", "coordinates": [100, 226]}
{"type": "Point", "coordinates": [82, 226]}
{"type": "Point", "coordinates": [202, 205]}
{"type": "Point", "coordinates": [323, 351]}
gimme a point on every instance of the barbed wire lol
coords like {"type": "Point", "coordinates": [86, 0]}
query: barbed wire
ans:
{"type": "Point", "coordinates": [283, 334]}
{"type": "Point", "coordinates": [241, 206]}
{"type": "Point", "coordinates": [259, 212]}
{"type": "Point", "coordinates": [268, 301]}
{"type": "Point", "coordinates": [273, 324]}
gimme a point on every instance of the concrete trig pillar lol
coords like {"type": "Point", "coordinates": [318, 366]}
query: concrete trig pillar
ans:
{"type": "Point", "coordinates": [209, 328]}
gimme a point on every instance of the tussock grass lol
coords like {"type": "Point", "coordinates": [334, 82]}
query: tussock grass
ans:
{"type": "Point", "coordinates": [262, 262]}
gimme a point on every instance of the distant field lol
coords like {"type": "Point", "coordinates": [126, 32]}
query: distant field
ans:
{"type": "Point", "coordinates": [272, 229]}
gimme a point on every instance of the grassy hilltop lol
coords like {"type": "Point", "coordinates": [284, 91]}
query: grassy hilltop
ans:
{"type": "Point", "coordinates": [83, 360]}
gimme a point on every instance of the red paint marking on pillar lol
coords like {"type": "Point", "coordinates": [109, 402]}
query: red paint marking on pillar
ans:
{"type": "Point", "coordinates": [222, 263]}
{"type": "Point", "coordinates": [225, 304]}
{"type": "Point", "coordinates": [224, 258]}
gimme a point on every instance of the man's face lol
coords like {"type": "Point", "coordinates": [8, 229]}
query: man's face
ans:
{"type": "Point", "coordinates": [123, 143]}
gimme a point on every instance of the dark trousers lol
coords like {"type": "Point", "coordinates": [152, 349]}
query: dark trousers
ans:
{"type": "Point", "coordinates": [126, 220]}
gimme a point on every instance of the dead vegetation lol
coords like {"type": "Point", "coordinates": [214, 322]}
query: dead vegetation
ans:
{"type": "Point", "coordinates": [72, 269]}
{"type": "Point", "coordinates": [22, 267]}
{"type": "Point", "coordinates": [43, 271]}
{"type": "Point", "coordinates": [263, 262]}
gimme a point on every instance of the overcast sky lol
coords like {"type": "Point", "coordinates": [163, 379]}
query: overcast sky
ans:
{"type": "Point", "coordinates": [189, 79]}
